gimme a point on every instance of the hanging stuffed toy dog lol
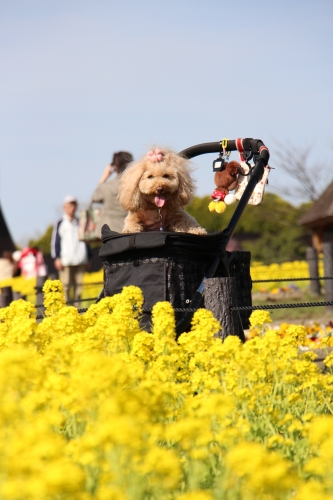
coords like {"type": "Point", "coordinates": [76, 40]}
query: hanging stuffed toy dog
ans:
{"type": "Point", "coordinates": [155, 191]}
{"type": "Point", "coordinates": [225, 181]}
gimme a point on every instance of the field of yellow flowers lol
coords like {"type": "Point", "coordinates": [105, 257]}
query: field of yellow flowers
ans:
{"type": "Point", "coordinates": [27, 286]}
{"type": "Point", "coordinates": [94, 408]}
{"type": "Point", "coordinates": [290, 270]}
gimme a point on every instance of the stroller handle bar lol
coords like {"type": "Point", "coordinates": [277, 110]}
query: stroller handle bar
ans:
{"type": "Point", "coordinates": [253, 146]}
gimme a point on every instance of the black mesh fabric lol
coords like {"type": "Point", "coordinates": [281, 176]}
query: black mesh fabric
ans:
{"type": "Point", "coordinates": [160, 278]}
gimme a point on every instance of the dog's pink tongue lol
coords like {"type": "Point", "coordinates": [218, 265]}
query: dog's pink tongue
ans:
{"type": "Point", "coordinates": [159, 200]}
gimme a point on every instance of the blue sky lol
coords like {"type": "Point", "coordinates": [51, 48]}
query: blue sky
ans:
{"type": "Point", "coordinates": [81, 79]}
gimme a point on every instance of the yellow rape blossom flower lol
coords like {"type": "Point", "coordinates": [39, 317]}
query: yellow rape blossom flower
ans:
{"type": "Point", "coordinates": [260, 318]}
{"type": "Point", "coordinates": [54, 296]}
{"type": "Point", "coordinates": [196, 495]}
{"type": "Point", "coordinates": [247, 459]}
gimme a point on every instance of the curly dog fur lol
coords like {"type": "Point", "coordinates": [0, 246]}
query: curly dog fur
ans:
{"type": "Point", "coordinates": [154, 191]}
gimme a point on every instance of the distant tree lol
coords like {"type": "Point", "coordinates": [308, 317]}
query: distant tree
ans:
{"type": "Point", "coordinates": [211, 221]}
{"type": "Point", "coordinates": [311, 178]}
{"type": "Point", "coordinates": [44, 242]}
{"type": "Point", "coordinates": [272, 229]}
{"type": "Point", "coordinates": [280, 237]}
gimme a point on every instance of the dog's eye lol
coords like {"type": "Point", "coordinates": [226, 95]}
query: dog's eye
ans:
{"type": "Point", "coordinates": [150, 176]}
{"type": "Point", "coordinates": [165, 176]}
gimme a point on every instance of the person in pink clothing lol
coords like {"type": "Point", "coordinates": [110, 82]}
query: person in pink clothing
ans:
{"type": "Point", "coordinates": [30, 262]}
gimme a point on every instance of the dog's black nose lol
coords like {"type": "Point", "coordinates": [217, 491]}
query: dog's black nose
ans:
{"type": "Point", "coordinates": [159, 190]}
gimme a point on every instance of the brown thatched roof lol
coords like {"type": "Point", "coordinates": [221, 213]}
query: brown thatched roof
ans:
{"type": "Point", "coordinates": [6, 242]}
{"type": "Point", "coordinates": [321, 212]}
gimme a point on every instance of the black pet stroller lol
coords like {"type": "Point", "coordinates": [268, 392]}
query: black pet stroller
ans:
{"type": "Point", "coordinates": [189, 271]}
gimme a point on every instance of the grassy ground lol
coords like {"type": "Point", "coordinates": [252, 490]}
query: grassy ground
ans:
{"type": "Point", "coordinates": [320, 314]}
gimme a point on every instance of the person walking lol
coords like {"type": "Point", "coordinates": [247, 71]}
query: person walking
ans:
{"type": "Point", "coordinates": [106, 192]}
{"type": "Point", "coordinates": [71, 256]}
{"type": "Point", "coordinates": [7, 265]}
{"type": "Point", "coordinates": [29, 263]}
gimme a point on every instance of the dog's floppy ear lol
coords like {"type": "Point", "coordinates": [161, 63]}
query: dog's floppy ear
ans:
{"type": "Point", "coordinates": [186, 183]}
{"type": "Point", "coordinates": [129, 194]}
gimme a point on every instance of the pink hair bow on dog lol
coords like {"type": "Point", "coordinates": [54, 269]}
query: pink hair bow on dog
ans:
{"type": "Point", "coordinates": [156, 155]}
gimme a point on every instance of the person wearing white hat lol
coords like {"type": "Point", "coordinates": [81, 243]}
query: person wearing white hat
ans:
{"type": "Point", "coordinates": [70, 255]}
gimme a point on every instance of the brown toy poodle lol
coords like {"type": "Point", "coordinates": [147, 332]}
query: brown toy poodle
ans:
{"type": "Point", "coordinates": [155, 191]}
